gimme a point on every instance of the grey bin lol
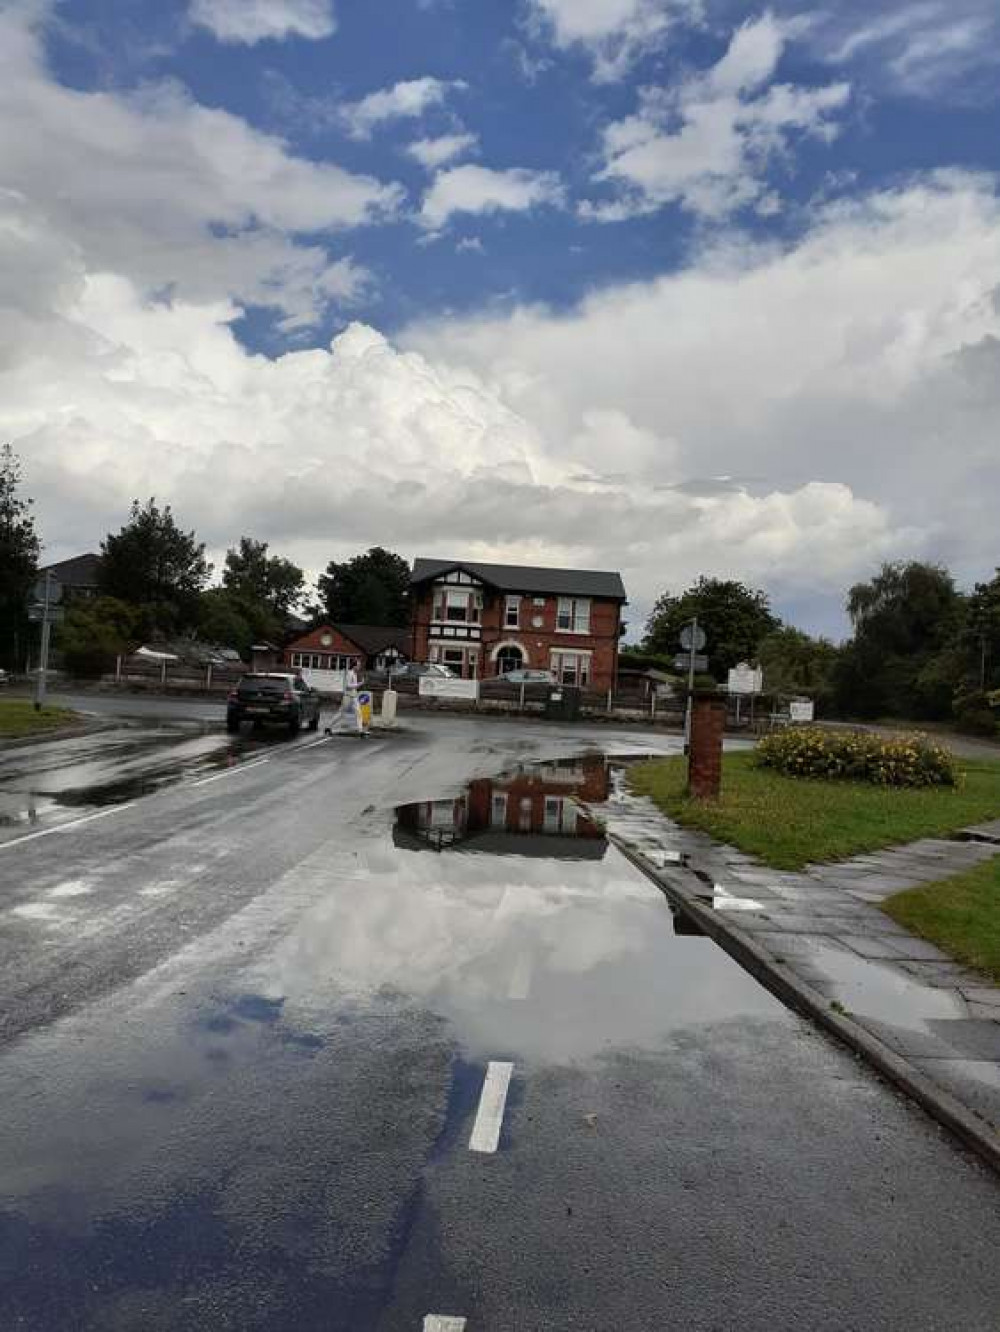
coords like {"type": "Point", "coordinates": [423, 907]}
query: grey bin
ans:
{"type": "Point", "coordinates": [562, 702]}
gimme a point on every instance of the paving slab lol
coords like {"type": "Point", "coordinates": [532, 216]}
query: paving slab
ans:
{"type": "Point", "coordinates": [975, 1082]}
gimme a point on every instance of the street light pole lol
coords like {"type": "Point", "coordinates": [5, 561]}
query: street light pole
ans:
{"type": "Point", "coordinates": [43, 662]}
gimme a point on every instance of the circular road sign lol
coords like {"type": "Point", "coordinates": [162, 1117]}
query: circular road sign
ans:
{"type": "Point", "coordinates": [693, 638]}
{"type": "Point", "coordinates": [55, 590]}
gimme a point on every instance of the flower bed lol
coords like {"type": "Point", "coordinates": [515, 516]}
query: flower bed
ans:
{"type": "Point", "coordinates": [857, 756]}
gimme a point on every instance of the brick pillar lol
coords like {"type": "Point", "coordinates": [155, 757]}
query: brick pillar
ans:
{"type": "Point", "coordinates": [708, 722]}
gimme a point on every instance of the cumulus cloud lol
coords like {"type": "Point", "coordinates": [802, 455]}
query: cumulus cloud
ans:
{"type": "Point", "coordinates": [615, 33]}
{"type": "Point", "coordinates": [175, 194]}
{"type": "Point", "coordinates": [436, 153]}
{"type": "Point", "coordinates": [477, 189]}
{"type": "Point", "coordinates": [408, 100]}
{"type": "Point", "coordinates": [251, 21]}
{"type": "Point", "coordinates": [708, 142]}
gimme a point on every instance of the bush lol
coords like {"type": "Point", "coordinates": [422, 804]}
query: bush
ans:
{"type": "Point", "coordinates": [857, 756]}
{"type": "Point", "coordinates": [974, 713]}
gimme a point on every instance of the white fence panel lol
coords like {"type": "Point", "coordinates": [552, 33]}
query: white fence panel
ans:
{"type": "Point", "coordinates": [436, 686]}
{"type": "Point", "coordinates": [327, 682]}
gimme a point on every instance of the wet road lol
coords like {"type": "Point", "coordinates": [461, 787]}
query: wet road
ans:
{"type": "Point", "coordinates": [261, 1000]}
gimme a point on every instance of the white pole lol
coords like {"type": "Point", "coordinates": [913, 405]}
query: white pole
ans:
{"type": "Point", "coordinates": [43, 664]}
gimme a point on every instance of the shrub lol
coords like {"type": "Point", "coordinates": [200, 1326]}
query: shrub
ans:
{"type": "Point", "coordinates": [857, 756]}
{"type": "Point", "coordinates": [974, 713]}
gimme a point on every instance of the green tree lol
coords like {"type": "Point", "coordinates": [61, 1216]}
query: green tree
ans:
{"type": "Point", "coordinates": [735, 619]}
{"type": "Point", "coordinates": [19, 548]}
{"type": "Point", "coordinates": [908, 621]}
{"type": "Point", "coordinates": [156, 566]}
{"type": "Point", "coordinates": [981, 638]}
{"type": "Point", "coordinates": [369, 589]}
{"type": "Point", "coordinates": [95, 631]}
{"type": "Point", "coordinates": [223, 621]}
{"type": "Point", "coordinates": [794, 662]}
{"type": "Point", "coordinates": [256, 578]}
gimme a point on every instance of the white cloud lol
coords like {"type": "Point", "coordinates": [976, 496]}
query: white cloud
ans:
{"type": "Point", "coordinates": [478, 189]}
{"type": "Point", "coordinates": [708, 142]}
{"type": "Point", "coordinates": [615, 33]}
{"type": "Point", "coordinates": [408, 100]}
{"type": "Point", "coordinates": [251, 21]}
{"type": "Point", "coordinates": [435, 153]}
{"type": "Point", "coordinates": [174, 194]}
{"type": "Point", "coordinates": [930, 48]}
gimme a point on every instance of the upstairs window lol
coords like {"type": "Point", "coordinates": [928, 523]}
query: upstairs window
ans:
{"type": "Point", "coordinates": [573, 616]}
{"type": "Point", "coordinates": [512, 612]}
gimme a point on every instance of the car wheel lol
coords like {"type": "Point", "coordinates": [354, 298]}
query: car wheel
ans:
{"type": "Point", "coordinates": [232, 723]}
{"type": "Point", "coordinates": [294, 724]}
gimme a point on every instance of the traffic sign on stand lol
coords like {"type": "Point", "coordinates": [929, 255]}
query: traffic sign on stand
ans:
{"type": "Point", "coordinates": [693, 637]}
{"type": "Point", "coordinates": [685, 661]}
{"type": "Point", "coordinates": [48, 588]}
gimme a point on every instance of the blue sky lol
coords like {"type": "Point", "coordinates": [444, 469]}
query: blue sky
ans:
{"type": "Point", "coordinates": [668, 285]}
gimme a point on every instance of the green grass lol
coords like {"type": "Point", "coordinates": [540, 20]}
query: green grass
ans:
{"type": "Point", "coordinates": [18, 717]}
{"type": "Point", "coordinates": [961, 915]}
{"type": "Point", "coordinates": [787, 822]}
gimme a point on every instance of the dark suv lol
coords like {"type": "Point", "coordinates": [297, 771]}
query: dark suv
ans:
{"type": "Point", "coordinates": [273, 698]}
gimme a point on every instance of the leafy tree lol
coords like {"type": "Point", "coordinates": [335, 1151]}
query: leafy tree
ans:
{"type": "Point", "coordinates": [19, 548]}
{"type": "Point", "coordinates": [256, 578]}
{"type": "Point", "coordinates": [369, 589]}
{"type": "Point", "coordinates": [794, 662]}
{"type": "Point", "coordinates": [95, 631]}
{"type": "Point", "coordinates": [155, 565]}
{"type": "Point", "coordinates": [902, 662]}
{"type": "Point", "coordinates": [223, 621]}
{"type": "Point", "coordinates": [981, 638]}
{"type": "Point", "coordinates": [735, 619]}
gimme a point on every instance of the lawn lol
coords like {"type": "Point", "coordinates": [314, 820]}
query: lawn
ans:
{"type": "Point", "coordinates": [18, 717]}
{"type": "Point", "coordinates": [787, 822]}
{"type": "Point", "coordinates": [961, 915]}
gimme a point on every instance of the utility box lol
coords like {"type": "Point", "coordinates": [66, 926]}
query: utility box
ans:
{"type": "Point", "coordinates": [562, 703]}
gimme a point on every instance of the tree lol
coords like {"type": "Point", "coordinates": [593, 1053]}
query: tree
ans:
{"type": "Point", "coordinates": [735, 619]}
{"type": "Point", "coordinates": [256, 578]}
{"type": "Point", "coordinates": [908, 621]}
{"type": "Point", "coordinates": [156, 566]}
{"type": "Point", "coordinates": [369, 589]}
{"type": "Point", "coordinates": [222, 620]}
{"type": "Point", "coordinates": [19, 549]}
{"type": "Point", "coordinates": [793, 662]}
{"type": "Point", "coordinates": [95, 631]}
{"type": "Point", "coordinates": [981, 638]}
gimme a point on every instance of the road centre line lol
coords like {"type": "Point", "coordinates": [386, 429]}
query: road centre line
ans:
{"type": "Point", "coordinates": [489, 1116]}
{"type": "Point", "coordinates": [442, 1323]}
{"type": "Point", "coordinates": [323, 740]}
{"type": "Point", "coordinates": [65, 827]}
{"type": "Point", "coordinates": [232, 772]}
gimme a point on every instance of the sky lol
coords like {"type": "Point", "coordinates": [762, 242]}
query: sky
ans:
{"type": "Point", "coordinates": [665, 286]}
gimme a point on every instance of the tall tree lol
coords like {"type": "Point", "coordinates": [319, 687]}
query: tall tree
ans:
{"type": "Point", "coordinates": [257, 578]}
{"type": "Point", "coordinates": [19, 548]}
{"type": "Point", "coordinates": [903, 660]}
{"type": "Point", "coordinates": [156, 566]}
{"type": "Point", "coordinates": [95, 631]}
{"type": "Point", "coordinates": [794, 662]}
{"type": "Point", "coordinates": [369, 589]}
{"type": "Point", "coordinates": [982, 634]}
{"type": "Point", "coordinates": [735, 619]}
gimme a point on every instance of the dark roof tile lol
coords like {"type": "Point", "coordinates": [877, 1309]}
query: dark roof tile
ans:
{"type": "Point", "coordinates": [527, 578]}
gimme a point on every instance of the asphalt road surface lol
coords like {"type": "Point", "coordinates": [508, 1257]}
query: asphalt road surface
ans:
{"type": "Point", "coordinates": [286, 1045]}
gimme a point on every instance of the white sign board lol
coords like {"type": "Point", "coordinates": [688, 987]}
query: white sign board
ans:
{"type": "Point", "coordinates": [325, 682]}
{"type": "Point", "coordinates": [801, 710]}
{"type": "Point", "coordinates": [438, 686]}
{"type": "Point", "coordinates": [745, 679]}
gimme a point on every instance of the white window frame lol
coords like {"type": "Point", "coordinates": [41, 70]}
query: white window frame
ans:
{"type": "Point", "coordinates": [561, 658]}
{"type": "Point", "coordinates": [512, 605]}
{"type": "Point", "coordinates": [575, 611]}
{"type": "Point", "coordinates": [498, 809]}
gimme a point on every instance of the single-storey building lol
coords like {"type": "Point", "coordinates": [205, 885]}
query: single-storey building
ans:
{"type": "Point", "coordinates": [482, 620]}
{"type": "Point", "coordinates": [340, 647]}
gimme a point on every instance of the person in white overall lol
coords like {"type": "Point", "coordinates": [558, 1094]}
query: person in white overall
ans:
{"type": "Point", "coordinates": [349, 716]}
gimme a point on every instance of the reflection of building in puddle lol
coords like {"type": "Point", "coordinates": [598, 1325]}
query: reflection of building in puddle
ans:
{"type": "Point", "coordinates": [531, 810]}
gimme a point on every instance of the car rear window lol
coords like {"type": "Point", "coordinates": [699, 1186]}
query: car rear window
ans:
{"type": "Point", "coordinates": [263, 684]}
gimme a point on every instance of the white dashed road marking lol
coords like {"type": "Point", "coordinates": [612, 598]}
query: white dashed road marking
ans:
{"type": "Point", "coordinates": [232, 772]}
{"type": "Point", "coordinates": [489, 1117]}
{"type": "Point", "coordinates": [442, 1323]}
{"type": "Point", "coordinates": [65, 827]}
{"type": "Point", "coordinates": [520, 978]}
{"type": "Point", "coordinates": [323, 740]}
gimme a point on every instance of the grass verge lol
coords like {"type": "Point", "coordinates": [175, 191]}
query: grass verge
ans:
{"type": "Point", "coordinates": [961, 915]}
{"type": "Point", "coordinates": [787, 822]}
{"type": "Point", "coordinates": [18, 717]}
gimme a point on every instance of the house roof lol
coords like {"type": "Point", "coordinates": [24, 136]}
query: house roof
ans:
{"type": "Point", "coordinates": [374, 638]}
{"type": "Point", "coordinates": [79, 571]}
{"type": "Point", "coordinates": [528, 578]}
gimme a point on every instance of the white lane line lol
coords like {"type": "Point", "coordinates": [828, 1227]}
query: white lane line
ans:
{"type": "Point", "coordinates": [65, 827]}
{"type": "Point", "coordinates": [442, 1323]}
{"type": "Point", "coordinates": [323, 740]}
{"type": "Point", "coordinates": [232, 772]}
{"type": "Point", "coordinates": [489, 1117]}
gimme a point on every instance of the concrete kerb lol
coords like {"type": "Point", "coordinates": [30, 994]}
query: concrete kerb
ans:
{"type": "Point", "coordinates": [678, 887]}
{"type": "Point", "coordinates": [73, 732]}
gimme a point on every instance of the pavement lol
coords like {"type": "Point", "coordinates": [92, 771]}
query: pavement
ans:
{"type": "Point", "coordinates": [823, 927]}
{"type": "Point", "coordinates": [268, 1060]}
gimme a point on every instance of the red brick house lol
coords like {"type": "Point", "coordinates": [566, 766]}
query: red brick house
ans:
{"type": "Point", "coordinates": [485, 619]}
{"type": "Point", "coordinates": [338, 647]}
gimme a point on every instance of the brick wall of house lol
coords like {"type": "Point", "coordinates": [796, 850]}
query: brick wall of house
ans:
{"type": "Point", "coordinates": [537, 642]}
{"type": "Point", "coordinates": [313, 643]}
